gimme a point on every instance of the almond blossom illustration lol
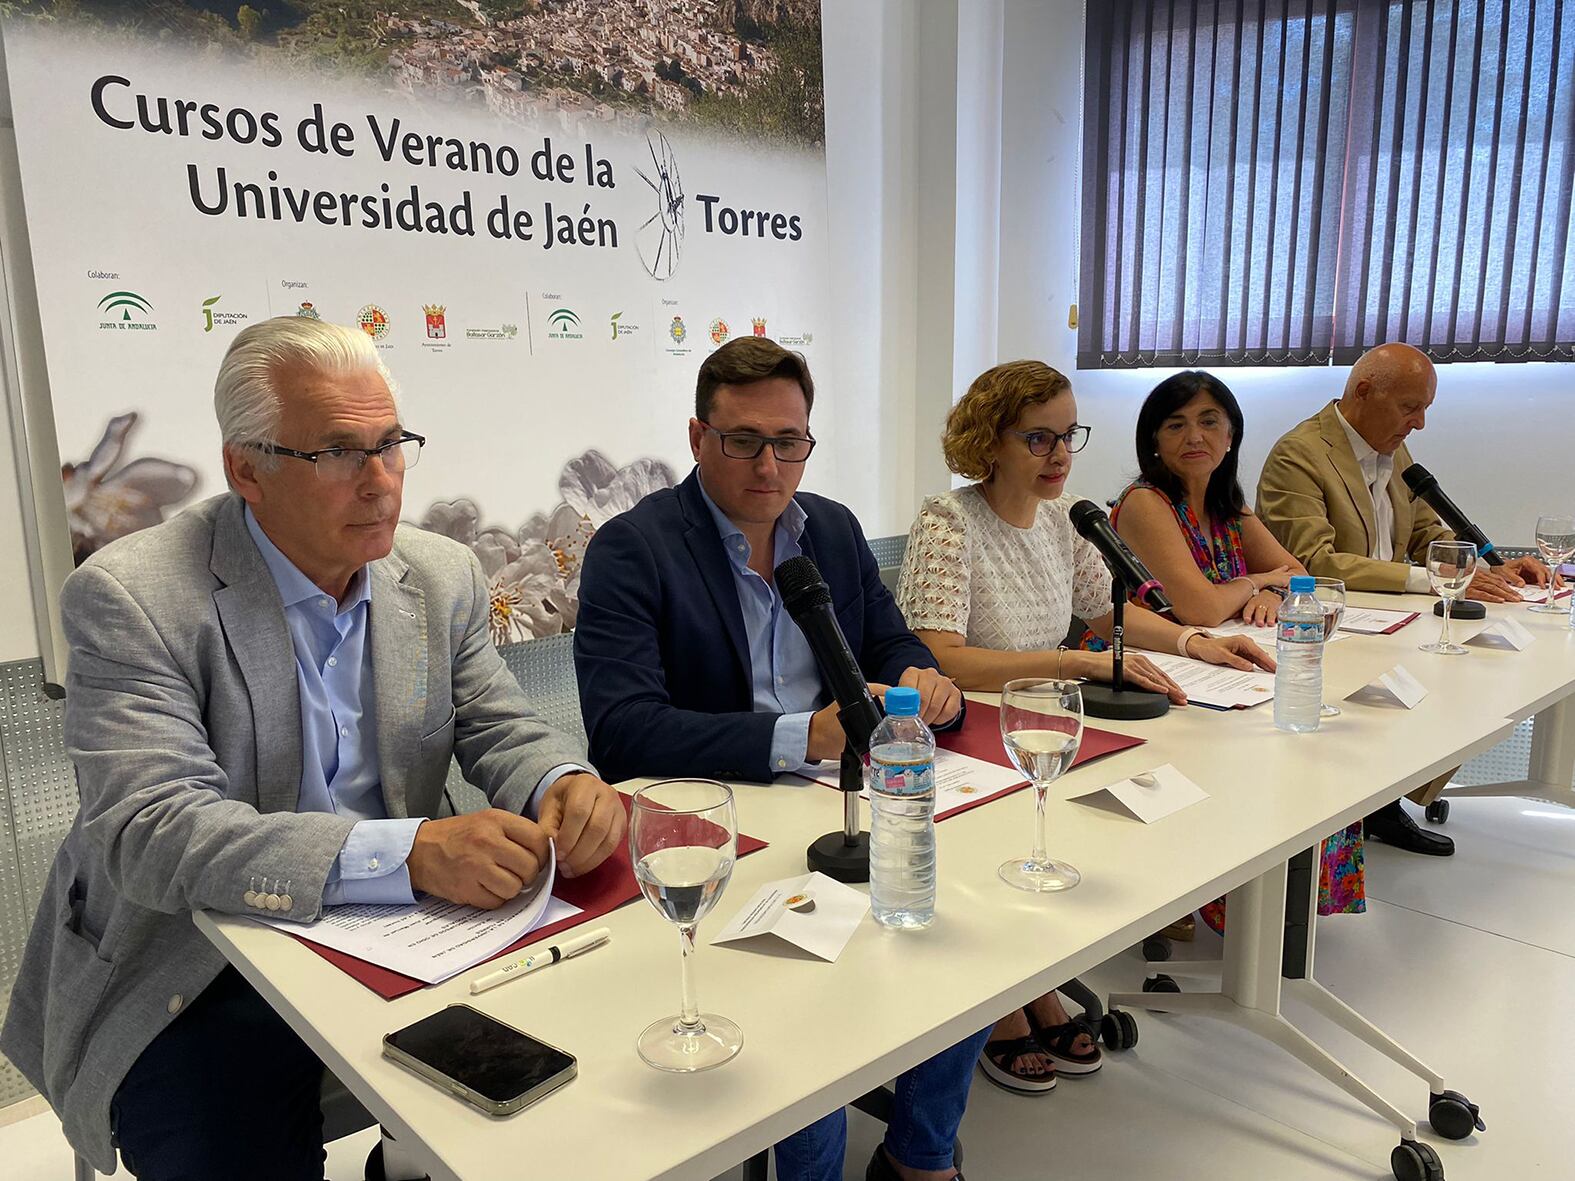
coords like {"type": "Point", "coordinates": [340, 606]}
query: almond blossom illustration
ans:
{"type": "Point", "coordinates": [533, 572]}
{"type": "Point", "coordinates": [106, 499]}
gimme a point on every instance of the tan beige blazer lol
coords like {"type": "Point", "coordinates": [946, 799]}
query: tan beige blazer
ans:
{"type": "Point", "coordinates": [1314, 500]}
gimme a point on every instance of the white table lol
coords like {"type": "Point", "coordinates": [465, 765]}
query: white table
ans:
{"type": "Point", "coordinates": [817, 1035]}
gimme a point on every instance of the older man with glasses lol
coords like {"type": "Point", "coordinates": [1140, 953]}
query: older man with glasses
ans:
{"type": "Point", "coordinates": [689, 665]}
{"type": "Point", "coordinates": [263, 700]}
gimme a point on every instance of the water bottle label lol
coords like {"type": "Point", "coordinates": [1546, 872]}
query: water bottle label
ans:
{"type": "Point", "coordinates": [905, 779]}
{"type": "Point", "coordinates": [1301, 631]}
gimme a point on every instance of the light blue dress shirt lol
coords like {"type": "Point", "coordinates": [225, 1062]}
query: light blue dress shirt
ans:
{"type": "Point", "coordinates": [339, 763]}
{"type": "Point", "coordinates": [784, 676]}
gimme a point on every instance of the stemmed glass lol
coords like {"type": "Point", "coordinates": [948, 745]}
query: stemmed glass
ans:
{"type": "Point", "coordinates": [683, 840]}
{"type": "Point", "coordinates": [1041, 729]}
{"type": "Point", "coordinates": [1450, 567]}
{"type": "Point", "coordinates": [1556, 541]}
{"type": "Point", "coordinates": [1330, 593]}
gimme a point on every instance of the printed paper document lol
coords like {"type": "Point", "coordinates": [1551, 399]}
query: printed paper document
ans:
{"type": "Point", "coordinates": [432, 939]}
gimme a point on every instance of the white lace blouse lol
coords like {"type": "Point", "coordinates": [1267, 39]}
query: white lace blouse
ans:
{"type": "Point", "coordinates": [968, 571]}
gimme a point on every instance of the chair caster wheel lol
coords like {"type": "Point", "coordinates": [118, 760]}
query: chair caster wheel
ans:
{"type": "Point", "coordinates": [1453, 1116]}
{"type": "Point", "coordinates": [1160, 983]}
{"type": "Point", "coordinates": [1437, 811]}
{"type": "Point", "coordinates": [1157, 949]}
{"type": "Point", "coordinates": [1118, 1030]}
{"type": "Point", "coordinates": [1414, 1161]}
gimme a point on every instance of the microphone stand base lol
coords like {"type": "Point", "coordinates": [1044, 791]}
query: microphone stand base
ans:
{"type": "Point", "coordinates": [840, 861]}
{"type": "Point", "coordinates": [1463, 609]}
{"type": "Point", "coordinates": [1123, 705]}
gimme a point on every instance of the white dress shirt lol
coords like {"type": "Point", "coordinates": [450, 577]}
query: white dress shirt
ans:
{"type": "Point", "coordinates": [1377, 470]}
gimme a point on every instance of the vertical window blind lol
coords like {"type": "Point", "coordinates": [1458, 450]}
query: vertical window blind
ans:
{"type": "Point", "coordinates": [1291, 182]}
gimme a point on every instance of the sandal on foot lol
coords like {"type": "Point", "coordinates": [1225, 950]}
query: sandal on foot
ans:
{"type": "Point", "coordinates": [1183, 930]}
{"type": "Point", "coordinates": [999, 1061]}
{"type": "Point", "coordinates": [1058, 1044]}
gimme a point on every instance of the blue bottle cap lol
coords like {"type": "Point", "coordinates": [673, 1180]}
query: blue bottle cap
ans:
{"type": "Point", "coordinates": [1303, 584]}
{"type": "Point", "coordinates": [902, 702]}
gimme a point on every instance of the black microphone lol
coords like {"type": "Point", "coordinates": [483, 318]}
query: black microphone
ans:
{"type": "Point", "coordinates": [1090, 520]}
{"type": "Point", "coordinates": [808, 601]}
{"type": "Point", "coordinates": [1424, 485]}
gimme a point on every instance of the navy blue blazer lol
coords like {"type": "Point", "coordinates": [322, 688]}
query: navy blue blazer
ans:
{"type": "Point", "coordinates": [660, 647]}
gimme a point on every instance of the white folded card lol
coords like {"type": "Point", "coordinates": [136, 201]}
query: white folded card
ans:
{"type": "Point", "coordinates": [1507, 632]}
{"type": "Point", "coordinates": [1539, 594]}
{"type": "Point", "coordinates": [1150, 795]}
{"type": "Point", "coordinates": [1395, 687]}
{"type": "Point", "coordinates": [811, 911]}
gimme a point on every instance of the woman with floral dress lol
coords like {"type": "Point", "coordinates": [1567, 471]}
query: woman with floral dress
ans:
{"type": "Point", "coordinates": [1187, 519]}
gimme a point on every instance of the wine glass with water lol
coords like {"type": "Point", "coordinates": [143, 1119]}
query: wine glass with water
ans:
{"type": "Point", "coordinates": [683, 840]}
{"type": "Point", "coordinates": [1450, 568]}
{"type": "Point", "coordinates": [1041, 729]}
{"type": "Point", "coordinates": [1330, 593]}
{"type": "Point", "coordinates": [1556, 542]}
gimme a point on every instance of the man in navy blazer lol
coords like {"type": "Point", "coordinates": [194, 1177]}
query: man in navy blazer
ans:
{"type": "Point", "coordinates": [673, 681]}
{"type": "Point", "coordinates": [689, 665]}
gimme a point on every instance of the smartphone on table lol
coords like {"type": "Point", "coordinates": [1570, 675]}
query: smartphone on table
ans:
{"type": "Point", "coordinates": [481, 1060]}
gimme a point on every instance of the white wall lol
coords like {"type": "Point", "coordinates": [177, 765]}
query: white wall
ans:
{"type": "Point", "coordinates": [29, 468]}
{"type": "Point", "coordinates": [893, 125]}
{"type": "Point", "coordinates": [1495, 436]}
{"type": "Point", "coordinates": [18, 640]}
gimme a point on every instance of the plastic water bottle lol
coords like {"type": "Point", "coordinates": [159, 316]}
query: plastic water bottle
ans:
{"type": "Point", "coordinates": [901, 781]}
{"type": "Point", "coordinates": [1298, 681]}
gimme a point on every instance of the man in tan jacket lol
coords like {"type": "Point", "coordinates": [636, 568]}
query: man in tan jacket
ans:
{"type": "Point", "coordinates": [1332, 494]}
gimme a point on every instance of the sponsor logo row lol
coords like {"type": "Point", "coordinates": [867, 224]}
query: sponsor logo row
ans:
{"type": "Point", "coordinates": [128, 311]}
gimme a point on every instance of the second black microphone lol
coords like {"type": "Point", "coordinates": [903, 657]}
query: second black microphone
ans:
{"type": "Point", "coordinates": [808, 600]}
{"type": "Point", "coordinates": [1090, 520]}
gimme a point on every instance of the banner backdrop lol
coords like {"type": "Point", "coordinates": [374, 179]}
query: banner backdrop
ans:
{"type": "Point", "coordinates": [545, 214]}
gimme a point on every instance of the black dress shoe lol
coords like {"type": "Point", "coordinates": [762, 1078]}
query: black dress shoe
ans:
{"type": "Point", "coordinates": [880, 1167]}
{"type": "Point", "coordinates": [1393, 825]}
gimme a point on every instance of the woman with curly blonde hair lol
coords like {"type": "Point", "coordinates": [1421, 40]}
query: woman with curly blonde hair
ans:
{"type": "Point", "coordinates": [993, 575]}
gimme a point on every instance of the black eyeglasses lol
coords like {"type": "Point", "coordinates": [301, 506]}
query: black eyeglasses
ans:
{"type": "Point", "coordinates": [339, 464]}
{"type": "Point", "coordinates": [749, 445]}
{"type": "Point", "coordinates": [1042, 443]}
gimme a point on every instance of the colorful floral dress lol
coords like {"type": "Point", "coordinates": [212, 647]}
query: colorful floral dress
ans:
{"type": "Point", "coordinates": [1342, 883]}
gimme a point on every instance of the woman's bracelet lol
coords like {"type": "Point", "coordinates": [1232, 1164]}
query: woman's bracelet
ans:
{"type": "Point", "coordinates": [1186, 636]}
{"type": "Point", "coordinates": [1060, 654]}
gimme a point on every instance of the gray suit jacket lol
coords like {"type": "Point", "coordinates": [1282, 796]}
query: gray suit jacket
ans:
{"type": "Point", "coordinates": [183, 719]}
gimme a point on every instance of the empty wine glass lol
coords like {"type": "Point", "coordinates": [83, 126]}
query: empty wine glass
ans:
{"type": "Point", "coordinates": [1450, 567]}
{"type": "Point", "coordinates": [1330, 593]}
{"type": "Point", "coordinates": [1556, 541]}
{"type": "Point", "coordinates": [1041, 729]}
{"type": "Point", "coordinates": [683, 840]}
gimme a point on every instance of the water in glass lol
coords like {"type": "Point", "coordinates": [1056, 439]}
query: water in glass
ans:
{"type": "Point", "coordinates": [683, 840]}
{"type": "Point", "coordinates": [1041, 730]}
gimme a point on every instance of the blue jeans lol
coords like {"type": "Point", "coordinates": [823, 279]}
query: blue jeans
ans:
{"type": "Point", "coordinates": [930, 1100]}
{"type": "Point", "coordinates": [227, 1090]}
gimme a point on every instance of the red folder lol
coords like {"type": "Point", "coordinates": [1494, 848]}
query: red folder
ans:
{"type": "Point", "coordinates": [604, 889]}
{"type": "Point", "coordinates": [980, 738]}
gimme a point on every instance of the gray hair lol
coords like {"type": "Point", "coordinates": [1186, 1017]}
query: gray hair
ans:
{"type": "Point", "coordinates": [245, 399]}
